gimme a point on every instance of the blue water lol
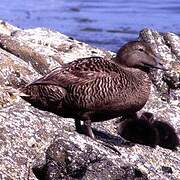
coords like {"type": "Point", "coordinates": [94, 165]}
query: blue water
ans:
{"type": "Point", "coordinates": [106, 24]}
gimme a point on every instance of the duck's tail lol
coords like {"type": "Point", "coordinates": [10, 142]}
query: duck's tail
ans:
{"type": "Point", "coordinates": [14, 91]}
{"type": "Point", "coordinates": [44, 97]}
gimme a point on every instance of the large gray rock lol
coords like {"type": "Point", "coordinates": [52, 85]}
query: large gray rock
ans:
{"type": "Point", "coordinates": [48, 144]}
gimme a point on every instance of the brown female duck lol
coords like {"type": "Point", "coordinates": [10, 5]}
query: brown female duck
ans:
{"type": "Point", "coordinates": [96, 89]}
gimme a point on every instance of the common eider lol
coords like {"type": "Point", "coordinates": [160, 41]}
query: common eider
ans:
{"type": "Point", "coordinates": [96, 89]}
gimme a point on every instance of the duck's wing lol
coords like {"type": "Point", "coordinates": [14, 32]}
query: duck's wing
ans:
{"type": "Point", "coordinates": [81, 70]}
{"type": "Point", "coordinates": [51, 89]}
{"type": "Point", "coordinates": [65, 78]}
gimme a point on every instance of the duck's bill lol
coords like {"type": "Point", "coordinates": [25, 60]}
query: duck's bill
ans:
{"type": "Point", "coordinates": [160, 66]}
{"type": "Point", "coordinates": [157, 66]}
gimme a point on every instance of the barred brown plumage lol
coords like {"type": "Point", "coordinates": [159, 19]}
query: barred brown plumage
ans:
{"type": "Point", "coordinates": [97, 89]}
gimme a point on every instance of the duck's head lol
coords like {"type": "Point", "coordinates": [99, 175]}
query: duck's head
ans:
{"type": "Point", "coordinates": [137, 54]}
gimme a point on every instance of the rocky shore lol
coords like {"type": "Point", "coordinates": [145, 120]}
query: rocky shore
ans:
{"type": "Point", "coordinates": [36, 144]}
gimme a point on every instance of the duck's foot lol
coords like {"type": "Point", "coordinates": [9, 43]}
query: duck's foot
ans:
{"type": "Point", "coordinates": [88, 129]}
{"type": "Point", "coordinates": [79, 127]}
{"type": "Point", "coordinates": [84, 129]}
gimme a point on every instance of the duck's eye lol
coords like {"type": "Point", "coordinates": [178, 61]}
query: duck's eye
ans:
{"type": "Point", "coordinates": [140, 49]}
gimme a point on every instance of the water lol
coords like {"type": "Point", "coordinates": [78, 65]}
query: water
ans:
{"type": "Point", "coordinates": [106, 24]}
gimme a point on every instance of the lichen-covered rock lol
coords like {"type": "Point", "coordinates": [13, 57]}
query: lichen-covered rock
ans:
{"type": "Point", "coordinates": [27, 132]}
{"type": "Point", "coordinates": [71, 158]}
{"type": "Point", "coordinates": [164, 101]}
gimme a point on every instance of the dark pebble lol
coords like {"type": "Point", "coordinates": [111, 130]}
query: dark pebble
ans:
{"type": "Point", "coordinates": [167, 169]}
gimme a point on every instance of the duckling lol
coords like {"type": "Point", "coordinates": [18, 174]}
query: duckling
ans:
{"type": "Point", "coordinates": [96, 89]}
{"type": "Point", "coordinates": [139, 130]}
{"type": "Point", "coordinates": [148, 131]}
{"type": "Point", "coordinates": [167, 135]}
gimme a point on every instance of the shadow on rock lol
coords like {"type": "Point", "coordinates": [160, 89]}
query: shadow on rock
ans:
{"type": "Point", "coordinates": [112, 139]}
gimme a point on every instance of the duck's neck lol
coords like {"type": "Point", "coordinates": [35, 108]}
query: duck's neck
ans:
{"type": "Point", "coordinates": [138, 83]}
{"type": "Point", "coordinates": [136, 76]}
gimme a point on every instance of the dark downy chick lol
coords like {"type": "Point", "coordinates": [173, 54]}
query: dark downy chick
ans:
{"type": "Point", "coordinates": [139, 131]}
{"type": "Point", "coordinates": [148, 131]}
{"type": "Point", "coordinates": [166, 134]}
{"type": "Point", "coordinates": [97, 89]}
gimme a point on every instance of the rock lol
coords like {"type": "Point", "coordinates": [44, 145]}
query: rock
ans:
{"type": "Point", "coordinates": [167, 169]}
{"type": "Point", "coordinates": [76, 159]}
{"type": "Point", "coordinates": [39, 142]}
